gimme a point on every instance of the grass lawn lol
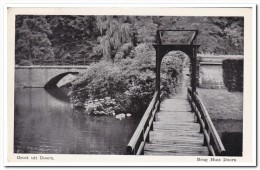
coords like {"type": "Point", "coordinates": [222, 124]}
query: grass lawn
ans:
{"type": "Point", "coordinates": [222, 104]}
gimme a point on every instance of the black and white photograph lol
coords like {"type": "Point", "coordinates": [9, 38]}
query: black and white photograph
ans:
{"type": "Point", "coordinates": [84, 83]}
{"type": "Point", "coordinates": [117, 84]}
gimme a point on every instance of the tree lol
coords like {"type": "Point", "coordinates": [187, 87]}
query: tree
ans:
{"type": "Point", "coordinates": [146, 30]}
{"type": "Point", "coordinates": [114, 37]}
{"type": "Point", "coordinates": [215, 35]}
{"type": "Point", "coordinates": [32, 40]}
{"type": "Point", "coordinates": [115, 31]}
{"type": "Point", "coordinates": [74, 35]}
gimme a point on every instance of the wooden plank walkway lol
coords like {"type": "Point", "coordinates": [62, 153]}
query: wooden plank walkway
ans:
{"type": "Point", "coordinates": [175, 131]}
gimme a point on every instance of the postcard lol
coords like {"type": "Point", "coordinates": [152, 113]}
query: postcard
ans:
{"type": "Point", "coordinates": [130, 86]}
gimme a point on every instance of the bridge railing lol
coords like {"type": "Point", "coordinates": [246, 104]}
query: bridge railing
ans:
{"type": "Point", "coordinates": [211, 137]}
{"type": "Point", "coordinates": [141, 134]}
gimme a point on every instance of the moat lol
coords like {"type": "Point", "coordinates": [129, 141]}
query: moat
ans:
{"type": "Point", "coordinates": [46, 123]}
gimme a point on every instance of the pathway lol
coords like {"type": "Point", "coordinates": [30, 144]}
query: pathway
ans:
{"type": "Point", "coordinates": [174, 131]}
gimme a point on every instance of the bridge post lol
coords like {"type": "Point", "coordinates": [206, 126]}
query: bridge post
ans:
{"type": "Point", "coordinates": [193, 69]}
{"type": "Point", "coordinates": [158, 76]}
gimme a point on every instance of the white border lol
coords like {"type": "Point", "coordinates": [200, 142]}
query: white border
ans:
{"type": "Point", "coordinates": [70, 5]}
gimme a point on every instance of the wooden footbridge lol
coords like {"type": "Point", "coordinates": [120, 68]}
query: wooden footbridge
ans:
{"type": "Point", "coordinates": [179, 126]}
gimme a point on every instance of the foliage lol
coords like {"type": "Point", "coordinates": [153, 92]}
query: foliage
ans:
{"type": "Point", "coordinates": [32, 38]}
{"type": "Point", "coordinates": [146, 29]}
{"type": "Point", "coordinates": [217, 35]}
{"type": "Point", "coordinates": [214, 33]}
{"type": "Point", "coordinates": [49, 37]}
{"type": "Point", "coordinates": [106, 106]}
{"type": "Point", "coordinates": [130, 81]}
{"type": "Point", "coordinates": [112, 38]}
{"type": "Point", "coordinates": [171, 69]}
{"type": "Point", "coordinates": [73, 35]}
{"type": "Point", "coordinates": [115, 31]}
{"type": "Point", "coordinates": [104, 79]}
{"type": "Point", "coordinates": [123, 52]}
{"type": "Point", "coordinates": [235, 35]}
{"type": "Point", "coordinates": [233, 74]}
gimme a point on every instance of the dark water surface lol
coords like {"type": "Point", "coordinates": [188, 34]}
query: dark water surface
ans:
{"type": "Point", "coordinates": [230, 132]}
{"type": "Point", "coordinates": [46, 123]}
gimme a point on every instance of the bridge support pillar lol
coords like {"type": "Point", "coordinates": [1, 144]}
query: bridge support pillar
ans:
{"type": "Point", "coordinates": [158, 75]}
{"type": "Point", "coordinates": [193, 78]}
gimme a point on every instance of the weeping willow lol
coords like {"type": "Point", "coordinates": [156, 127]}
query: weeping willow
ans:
{"type": "Point", "coordinates": [115, 31]}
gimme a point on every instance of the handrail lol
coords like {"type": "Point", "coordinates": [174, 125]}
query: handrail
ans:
{"type": "Point", "coordinates": [141, 134]}
{"type": "Point", "coordinates": [211, 137]}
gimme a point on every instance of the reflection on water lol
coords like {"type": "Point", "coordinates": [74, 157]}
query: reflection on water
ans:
{"type": "Point", "coordinates": [233, 143]}
{"type": "Point", "coordinates": [59, 94]}
{"type": "Point", "coordinates": [231, 135]}
{"type": "Point", "coordinates": [44, 124]}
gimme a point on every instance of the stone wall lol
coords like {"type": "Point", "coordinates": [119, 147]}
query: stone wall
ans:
{"type": "Point", "coordinates": [211, 75]}
{"type": "Point", "coordinates": [38, 76]}
{"type": "Point", "coordinates": [211, 72]}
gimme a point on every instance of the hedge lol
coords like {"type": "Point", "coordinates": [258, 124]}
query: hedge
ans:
{"type": "Point", "coordinates": [233, 74]}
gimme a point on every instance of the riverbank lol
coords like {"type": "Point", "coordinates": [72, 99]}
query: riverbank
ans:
{"type": "Point", "coordinates": [226, 111]}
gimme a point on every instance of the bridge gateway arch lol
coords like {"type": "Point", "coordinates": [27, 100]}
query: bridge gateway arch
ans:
{"type": "Point", "coordinates": [163, 48]}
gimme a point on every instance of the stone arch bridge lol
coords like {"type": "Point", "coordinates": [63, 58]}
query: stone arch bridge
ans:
{"type": "Point", "coordinates": [44, 76]}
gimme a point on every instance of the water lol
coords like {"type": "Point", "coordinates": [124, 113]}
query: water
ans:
{"type": "Point", "coordinates": [46, 123]}
{"type": "Point", "coordinates": [230, 132]}
{"type": "Point", "coordinates": [233, 143]}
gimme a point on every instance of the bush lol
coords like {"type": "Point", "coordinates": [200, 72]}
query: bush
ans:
{"type": "Point", "coordinates": [171, 69]}
{"type": "Point", "coordinates": [101, 80]}
{"type": "Point", "coordinates": [106, 106]}
{"type": "Point", "coordinates": [130, 82]}
{"type": "Point", "coordinates": [233, 74]}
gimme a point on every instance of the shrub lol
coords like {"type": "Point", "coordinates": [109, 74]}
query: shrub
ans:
{"type": "Point", "coordinates": [171, 69]}
{"type": "Point", "coordinates": [233, 74]}
{"type": "Point", "coordinates": [106, 106]}
{"type": "Point", "coordinates": [101, 80]}
{"type": "Point", "coordinates": [130, 88]}
{"type": "Point", "coordinates": [130, 82]}
{"type": "Point", "coordinates": [123, 52]}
